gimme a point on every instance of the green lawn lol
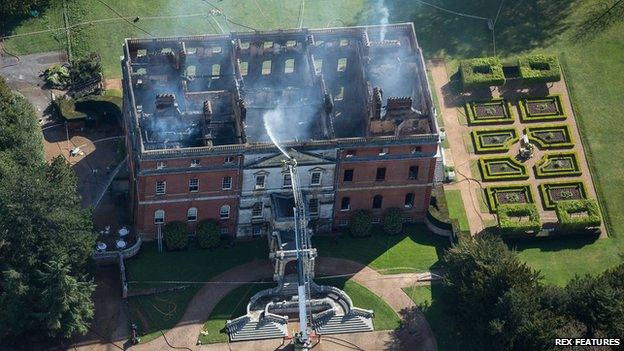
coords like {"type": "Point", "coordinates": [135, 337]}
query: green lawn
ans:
{"type": "Point", "coordinates": [425, 298]}
{"type": "Point", "coordinates": [417, 250]}
{"type": "Point", "coordinates": [235, 303]}
{"type": "Point", "coordinates": [106, 37]}
{"type": "Point", "coordinates": [456, 209]}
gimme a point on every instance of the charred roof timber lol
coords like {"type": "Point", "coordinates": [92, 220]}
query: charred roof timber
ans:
{"type": "Point", "coordinates": [303, 86]}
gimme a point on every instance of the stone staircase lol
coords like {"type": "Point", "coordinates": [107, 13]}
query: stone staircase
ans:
{"type": "Point", "coordinates": [257, 330]}
{"type": "Point", "coordinates": [350, 323]}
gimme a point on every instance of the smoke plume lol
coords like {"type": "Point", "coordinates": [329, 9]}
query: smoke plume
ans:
{"type": "Point", "coordinates": [384, 17]}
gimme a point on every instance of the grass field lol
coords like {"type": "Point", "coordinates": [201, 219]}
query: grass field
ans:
{"type": "Point", "coordinates": [165, 18]}
{"type": "Point", "coordinates": [456, 209]}
{"type": "Point", "coordinates": [235, 303]}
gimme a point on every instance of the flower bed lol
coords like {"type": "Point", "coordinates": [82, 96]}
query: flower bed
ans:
{"type": "Point", "coordinates": [551, 193]}
{"type": "Point", "coordinates": [539, 109]}
{"type": "Point", "coordinates": [539, 69]}
{"type": "Point", "coordinates": [508, 194]}
{"type": "Point", "coordinates": [497, 111]}
{"type": "Point", "coordinates": [502, 168]}
{"type": "Point", "coordinates": [494, 140]}
{"type": "Point", "coordinates": [518, 220]}
{"type": "Point", "coordinates": [482, 72]}
{"type": "Point", "coordinates": [553, 136]}
{"type": "Point", "coordinates": [558, 165]}
{"type": "Point", "coordinates": [578, 215]}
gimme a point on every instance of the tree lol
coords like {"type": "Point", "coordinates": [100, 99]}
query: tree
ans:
{"type": "Point", "coordinates": [393, 221]}
{"type": "Point", "coordinates": [208, 234]}
{"type": "Point", "coordinates": [86, 69]}
{"type": "Point", "coordinates": [360, 224]}
{"type": "Point", "coordinates": [176, 237]}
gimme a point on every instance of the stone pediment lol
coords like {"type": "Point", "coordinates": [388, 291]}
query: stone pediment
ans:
{"type": "Point", "coordinates": [303, 158]}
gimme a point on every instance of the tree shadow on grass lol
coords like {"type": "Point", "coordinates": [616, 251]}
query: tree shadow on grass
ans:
{"type": "Point", "coordinates": [547, 244]}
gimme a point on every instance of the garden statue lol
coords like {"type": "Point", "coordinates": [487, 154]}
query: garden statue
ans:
{"type": "Point", "coordinates": [526, 148]}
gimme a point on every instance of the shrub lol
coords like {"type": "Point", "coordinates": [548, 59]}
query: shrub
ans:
{"type": "Point", "coordinates": [536, 137]}
{"type": "Point", "coordinates": [111, 105]}
{"type": "Point", "coordinates": [527, 116]}
{"type": "Point", "coordinates": [393, 221]}
{"type": "Point", "coordinates": [86, 69]}
{"type": "Point", "coordinates": [506, 136]}
{"type": "Point", "coordinates": [551, 165]}
{"type": "Point", "coordinates": [176, 237]}
{"type": "Point", "coordinates": [474, 118]}
{"type": "Point", "coordinates": [550, 203]}
{"type": "Point", "coordinates": [539, 69]}
{"type": "Point", "coordinates": [360, 224]}
{"type": "Point", "coordinates": [588, 210]}
{"type": "Point", "coordinates": [208, 234]}
{"type": "Point", "coordinates": [511, 190]}
{"type": "Point", "coordinates": [514, 170]}
{"type": "Point", "coordinates": [57, 76]}
{"type": "Point", "coordinates": [66, 108]}
{"type": "Point", "coordinates": [509, 223]}
{"type": "Point", "coordinates": [481, 72]}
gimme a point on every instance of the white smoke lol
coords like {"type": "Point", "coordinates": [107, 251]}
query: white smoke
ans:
{"type": "Point", "coordinates": [274, 125]}
{"type": "Point", "coordinates": [384, 17]}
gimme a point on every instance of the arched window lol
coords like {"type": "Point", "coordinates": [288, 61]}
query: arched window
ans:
{"type": "Point", "coordinates": [224, 213]}
{"type": "Point", "coordinates": [409, 200]}
{"type": "Point", "coordinates": [345, 203]}
{"type": "Point", "coordinates": [159, 217]}
{"type": "Point", "coordinates": [377, 201]}
{"type": "Point", "coordinates": [191, 214]}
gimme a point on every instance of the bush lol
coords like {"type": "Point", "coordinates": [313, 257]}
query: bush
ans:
{"type": "Point", "coordinates": [176, 237]}
{"type": "Point", "coordinates": [393, 221]}
{"type": "Point", "coordinates": [360, 224]}
{"type": "Point", "coordinates": [482, 72]}
{"type": "Point", "coordinates": [57, 76]}
{"type": "Point", "coordinates": [514, 170]}
{"type": "Point", "coordinates": [550, 203]}
{"type": "Point", "coordinates": [66, 108]}
{"type": "Point", "coordinates": [492, 191]}
{"type": "Point", "coordinates": [86, 69]}
{"type": "Point", "coordinates": [506, 136]}
{"type": "Point", "coordinates": [570, 223]}
{"type": "Point", "coordinates": [74, 110]}
{"type": "Point", "coordinates": [208, 234]}
{"type": "Point", "coordinates": [509, 226]}
{"type": "Point", "coordinates": [539, 69]}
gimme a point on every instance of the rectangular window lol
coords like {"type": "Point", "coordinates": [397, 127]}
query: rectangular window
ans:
{"type": "Point", "coordinates": [345, 203]}
{"type": "Point", "coordinates": [260, 182]}
{"type": "Point", "coordinates": [342, 64]}
{"type": "Point", "coordinates": [350, 153]}
{"type": "Point", "coordinates": [375, 220]}
{"type": "Point", "coordinates": [287, 181]}
{"type": "Point", "coordinates": [161, 165]}
{"type": "Point", "coordinates": [318, 66]}
{"type": "Point", "coordinates": [348, 175]}
{"type": "Point", "coordinates": [256, 211]}
{"type": "Point", "coordinates": [159, 217]}
{"type": "Point", "coordinates": [266, 68]}
{"type": "Point", "coordinates": [161, 187]}
{"type": "Point", "coordinates": [313, 206]}
{"type": "Point", "coordinates": [316, 178]}
{"type": "Point", "coordinates": [226, 183]}
{"type": "Point", "coordinates": [289, 66]}
{"type": "Point", "coordinates": [243, 68]}
{"type": "Point", "coordinates": [194, 185]}
{"type": "Point", "coordinates": [413, 173]}
{"type": "Point", "coordinates": [381, 174]}
{"type": "Point", "coordinates": [225, 231]}
{"type": "Point", "coordinates": [383, 151]}
{"type": "Point", "coordinates": [191, 215]}
{"type": "Point", "coordinates": [195, 163]}
{"type": "Point", "coordinates": [228, 160]}
{"type": "Point", "coordinates": [224, 212]}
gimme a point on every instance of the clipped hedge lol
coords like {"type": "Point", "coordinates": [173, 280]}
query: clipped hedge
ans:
{"type": "Point", "coordinates": [570, 222]}
{"type": "Point", "coordinates": [492, 191]}
{"type": "Point", "coordinates": [473, 118]}
{"type": "Point", "coordinates": [482, 72]}
{"type": "Point", "coordinates": [517, 170]}
{"type": "Point", "coordinates": [478, 135]}
{"type": "Point", "coordinates": [535, 135]}
{"type": "Point", "coordinates": [508, 223]}
{"type": "Point", "coordinates": [75, 110]}
{"type": "Point", "coordinates": [527, 116]}
{"type": "Point", "coordinates": [66, 109]}
{"type": "Point", "coordinates": [393, 221]}
{"type": "Point", "coordinates": [208, 234]}
{"type": "Point", "coordinates": [551, 158]}
{"type": "Point", "coordinates": [360, 224]}
{"type": "Point", "coordinates": [539, 69]}
{"type": "Point", "coordinates": [176, 237]}
{"type": "Point", "coordinates": [550, 203]}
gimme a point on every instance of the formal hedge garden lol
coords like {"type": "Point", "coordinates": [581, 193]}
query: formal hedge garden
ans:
{"type": "Point", "coordinates": [518, 219]}
{"type": "Point", "coordinates": [508, 194]}
{"type": "Point", "coordinates": [500, 168]}
{"type": "Point", "coordinates": [553, 192]}
{"type": "Point", "coordinates": [495, 111]}
{"type": "Point", "coordinates": [541, 109]}
{"type": "Point", "coordinates": [176, 236]}
{"type": "Point", "coordinates": [539, 69]}
{"type": "Point", "coordinates": [482, 72]}
{"type": "Point", "coordinates": [493, 140]}
{"type": "Point", "coordinates": [578, 215]}
{"type": "Point", "coordinates": [558, 165]}
{"type": "Point", "coordinates": [551, 136]}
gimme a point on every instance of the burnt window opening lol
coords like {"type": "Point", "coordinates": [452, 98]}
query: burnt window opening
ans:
{"type": "Point", "coordinates": [161, 165]}
{"type": "Point", "coordinates": [318, 66]}
{"type": "Point", "coordinates": [195, 162]}
{"type": "Point", "coordinates": [383, 151]}
{"type": "Point", "coordinates": [348, 175]}
{"type": "Point", "coordinates": [159, 217]}
{"type": "Point", "coordinates": [287, 181]}
{"type": "Point", "coordinates": [216, 50]}
{"type": "Point", "coordinates": [377, 201]}
{"type": "Point", "coordinates": [228, 160]}
{"type": "Point", "coordinates": [268, 44]}
{"type": "Point", "coordinates": [191, 71]}
{"type": "Point", "coordinates": [409, 200]}
{"type": "Point", "coordinates": [191, 214]}
{"type": "Point", "coordinates": [289, 66]}
{"type": "Point", "coordinates": [313, 206]}
{"type": "Point", "coordinates": [266, 67]}
{"type": "Point", "coordinates": [413, 173]}
{"type": "Point", "coordinates": [226, 183]}
{"type": "Point", "coordinates": [381, 174]}
{"type": "Point", "coordinates": [161, 187]}
{"type": "Point", "coordinates": [344, 42]}
{"type": "Point", "coordinates": [417, 149]}
{"type": "Point", "coordinates": [216, 70]}
{"type": "Point", "coordinates": [256, 211]}
{"type": "Point", "coordinates": [342, 64]}
{"type": "Point", "coordinates": [291, 43]}
{"type": "Point", "coordinates": [345, 204]}
{"type": "Point", "coordinates": [244, 67]}
{"type": "Point", "coordinates": [194, 185]}
{"type": "Point", "coordinates": [350, 153]}
{"type": "Point", "coordinates": [244, 45]}
{"type": "Point", "coordinates": [339, 96]}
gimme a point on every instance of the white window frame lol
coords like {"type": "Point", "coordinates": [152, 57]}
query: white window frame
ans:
{"type": "Point", "coordinates": [228, 160]}
{"type": "Point", "coordinates": [195, 162]}
{"type": "Point", "coordinates": [228, 183]}
{"type": "Point", "coordinates": [161, 165]}
{"type": "Point", "coordinates": [191, 214]}
{"type": "Point", "coordinates": [224, 212]}
{"type": "Point", "coordinates": [320, 178]}
{"type": "Point", "coordinates": [254, 214]}
{"type": "Point", "coordinates": [191, 185]}
{"type": "Point", "coordinates": [161, 187]}
{"type": "Point", "coordinates": [263, 177]}
{"type": "Point", "coordinates": [348, 205]}
{"type": "Point", "coordinates": [159, 219]}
